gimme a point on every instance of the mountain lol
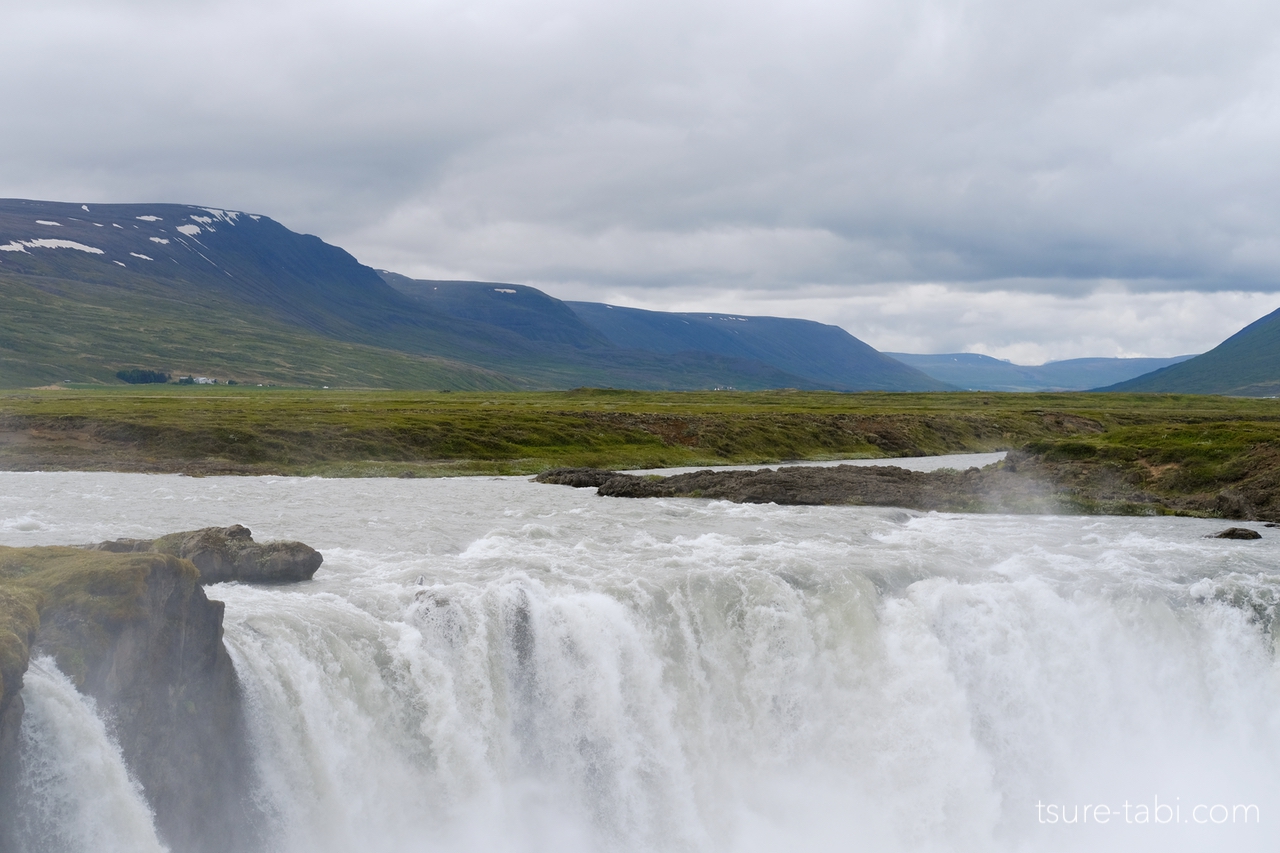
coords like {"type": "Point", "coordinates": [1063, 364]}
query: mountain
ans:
{"type": "Point", "coordinates": [215, 267]}
{"type": "Point", "coordinates": [975, 372]}
{"type": "Point", "coordinates": [1247, 364]}
{"type": "Point", "coordinates": [809, 355]}
{"type": "Point", "coordinates": [821, 354]}
{"type": "Point", "coordinates": [518, 308]}
{"type": "Point", "coordinates": [89, 290]}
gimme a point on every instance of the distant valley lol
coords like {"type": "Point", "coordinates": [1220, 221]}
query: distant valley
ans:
{"type": "Point", "coordinates": [973, 372]}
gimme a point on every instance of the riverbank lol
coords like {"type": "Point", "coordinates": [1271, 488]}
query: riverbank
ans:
{"type": "Point", "coordinates": [1103, 452]}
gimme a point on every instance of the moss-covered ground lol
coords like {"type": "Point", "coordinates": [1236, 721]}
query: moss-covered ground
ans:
{"type": "Point", "coordinates": [220, 429]}
{"type": "Point", "coordinates": [94, 591]}
{"type": "Point", "coordinates": [208, 429]}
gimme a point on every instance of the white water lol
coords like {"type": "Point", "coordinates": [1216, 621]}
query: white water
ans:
{"type": "Point", "coordinates": [577, 673]}
{"type": "Point", "coordinates": [76, 794]}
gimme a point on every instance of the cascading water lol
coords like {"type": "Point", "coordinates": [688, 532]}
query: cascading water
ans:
{"type": "Point", "coordinates": [499, 665]}
{"type": "Point", "coordinates": [75, 792]}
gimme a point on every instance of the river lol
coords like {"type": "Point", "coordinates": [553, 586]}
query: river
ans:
{"type": "Point", "coordinates": [490, 664]}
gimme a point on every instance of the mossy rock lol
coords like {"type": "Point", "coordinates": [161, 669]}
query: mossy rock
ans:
{"type": "Point", "coordinates": [81, 597]}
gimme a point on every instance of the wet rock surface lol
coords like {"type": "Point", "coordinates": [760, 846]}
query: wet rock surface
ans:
{"type": "Point", "coordinates": [129, 622]}
{"type": "Point", "coordinates": [174, 702]}
{"type": "Point", "coordinates": [579, 478]}
{"type": "Point", "coordinates": [1027, 481]}
{"type": "Point", "coordinates": [1236, 533]}
{"type": "Point", "coordinates": [229, 554]}
{"type": "Point", "coordinates": [136, 632]}
{"type": "Point", "coordinates": [974, 490]}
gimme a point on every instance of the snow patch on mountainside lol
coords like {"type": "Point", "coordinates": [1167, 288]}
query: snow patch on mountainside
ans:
{"type": "Point", "coordinates": [23, 245]}
{"type": "Point", "coordinates": [227, 216]}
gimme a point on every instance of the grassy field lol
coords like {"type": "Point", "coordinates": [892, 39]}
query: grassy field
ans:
{"type": "Point", "coordinates": [219, 429]}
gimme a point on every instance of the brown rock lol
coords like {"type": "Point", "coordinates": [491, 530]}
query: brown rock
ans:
{"type": "Point", "coordinates": [1236, 533]}
{"type": "Point", "coordinates": [881, 485]}
{"type": "Point", "coordinates": [230, 554]}
{"type": "Point", "coordinates": [579, 478]}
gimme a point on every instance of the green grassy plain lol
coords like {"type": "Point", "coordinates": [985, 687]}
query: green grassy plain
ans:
{"type": "Point", "coordinates": [220, 429]}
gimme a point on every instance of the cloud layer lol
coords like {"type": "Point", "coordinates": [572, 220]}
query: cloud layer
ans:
{"type": "Point", "coordinates": [1030, 180]}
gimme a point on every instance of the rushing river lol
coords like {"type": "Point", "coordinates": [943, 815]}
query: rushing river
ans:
{"type": "Point", "coordinates": [497, 665]}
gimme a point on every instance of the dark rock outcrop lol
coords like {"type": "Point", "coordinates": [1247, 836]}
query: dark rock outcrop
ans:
{"type": "Point", "coordinates": [129, 622]}
{"type": "Point", "coordinates": [229, 554]}
{"type": "Point", "coordinates": [170, 693]}
{"type": "Point", "coordinates": [1023, 483]}
{"type": "Point", "coordinates": [579, 478]}
{"type": "Point", "coordinates": [974, 490]}
{"type": "Point", "coordinates": [1235, 533]}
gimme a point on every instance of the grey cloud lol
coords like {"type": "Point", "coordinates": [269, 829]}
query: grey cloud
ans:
{"type": "Point", "coordinates": [655, 150]}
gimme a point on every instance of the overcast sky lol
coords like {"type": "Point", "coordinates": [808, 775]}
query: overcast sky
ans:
{"type": "Point", "coordinates": [1030, 180]}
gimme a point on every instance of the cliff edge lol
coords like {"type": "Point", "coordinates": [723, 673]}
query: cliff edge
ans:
{"type": "Point", "coordinates": [133, 629]}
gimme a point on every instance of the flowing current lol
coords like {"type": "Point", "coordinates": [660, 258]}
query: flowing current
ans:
{"type": "Point", "coordinates": [497, 665]}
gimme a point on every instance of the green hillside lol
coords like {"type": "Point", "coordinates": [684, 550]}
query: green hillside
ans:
{"type": "Point", "coordinates": [1247, 364]}
{"type": "Point", "coordinates": [48, 338]}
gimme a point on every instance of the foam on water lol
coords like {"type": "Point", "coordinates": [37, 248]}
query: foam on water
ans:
{"type": "Point", "coordinates": [76, 794]}
{"type": "Point", "coordinates": [492, 664]}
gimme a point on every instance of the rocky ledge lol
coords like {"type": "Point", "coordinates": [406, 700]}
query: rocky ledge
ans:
{"type": "Point", "coordinates": [1025, 482]}
{"type": "Point", "coordinates": [228, 554]}
{"type": "Point", "coordinates": [129, 622]}
{"type": "Point", "coordinates": [973, 490]}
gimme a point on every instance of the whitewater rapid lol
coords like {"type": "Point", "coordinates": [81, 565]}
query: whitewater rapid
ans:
{"type": "Point", "coordinates": [497, 665]}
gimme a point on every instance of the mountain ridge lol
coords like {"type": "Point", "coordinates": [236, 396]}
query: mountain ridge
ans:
{"type": "Point", "coordinates": [1247, 364]}
{"type": "Point", "coordinates": [820, 352]}
{"type": "Point", "coordinates": [92, 289]}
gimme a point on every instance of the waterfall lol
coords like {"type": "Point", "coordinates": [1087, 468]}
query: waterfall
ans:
{"type": "Point", "coordinates": [491, 665]}
{"type": "Point", "coordinates": [722, 706]}
{"type": "Point", "coordinates": [75, 793]}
